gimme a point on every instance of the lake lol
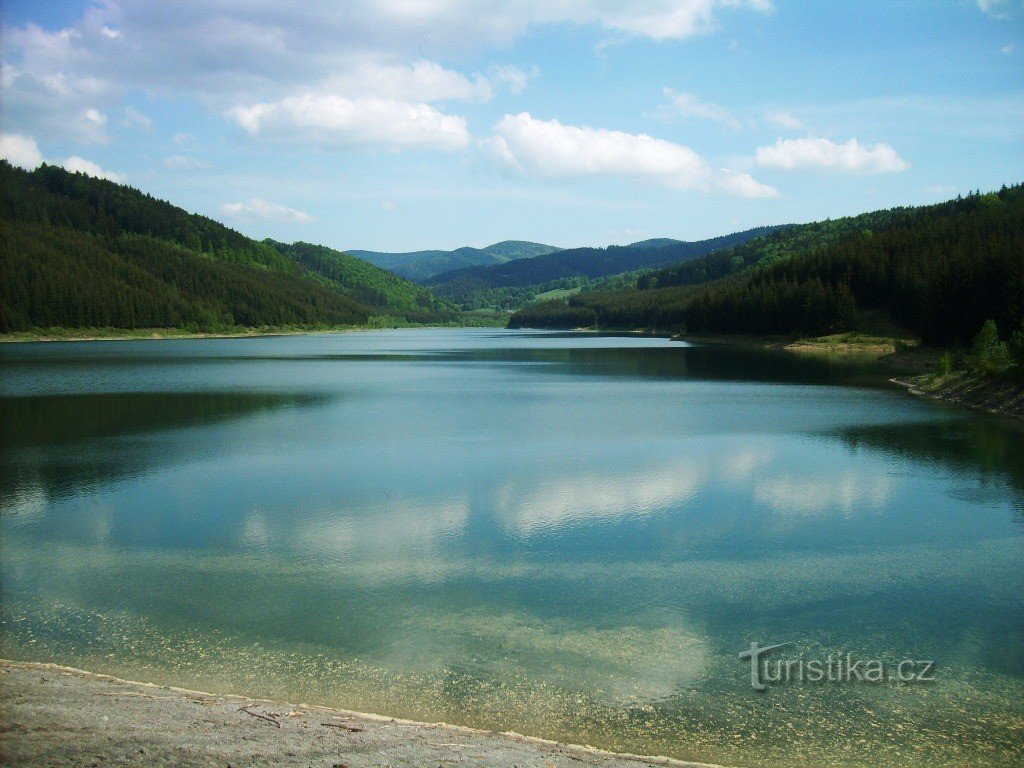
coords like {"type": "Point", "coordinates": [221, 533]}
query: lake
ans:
{"type": "Point", "coordinates": [567, 535]}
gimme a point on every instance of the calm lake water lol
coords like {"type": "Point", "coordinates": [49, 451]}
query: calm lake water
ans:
{"type": "Point", "coordinates": [566, 535]}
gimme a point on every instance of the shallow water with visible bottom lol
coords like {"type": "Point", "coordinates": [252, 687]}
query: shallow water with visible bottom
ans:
{"type": "Point", "coordinates": [566, 535]}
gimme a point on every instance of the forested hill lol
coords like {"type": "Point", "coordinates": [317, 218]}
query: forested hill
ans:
{"type": "Point", "coordinates": [422, 265]}
{"type": "Point", "coordinates": [939, 271]}
{"type": "Point", "coordinates": [77, 252]}
{"type": "Point", "coordinates": [785, 242]}
{"type": "Point", "coordinates": [375, 287]}
{"type": "Point", "coordinates": [580, 262]}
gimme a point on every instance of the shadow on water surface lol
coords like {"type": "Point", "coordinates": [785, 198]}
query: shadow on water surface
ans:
{"type": "Point", "coordinates": [980, 447]}
{"type": "Point", "coordinates": [60, 444]}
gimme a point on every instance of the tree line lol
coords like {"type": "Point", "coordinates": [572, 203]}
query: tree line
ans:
{"type": "Point", "coordinates": [940, 272]}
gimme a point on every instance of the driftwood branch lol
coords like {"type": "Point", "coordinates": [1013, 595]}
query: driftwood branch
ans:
{"type": "Point", "coordinates": [349, 728]}
{"type": "Point", "coordinates": [261, 717]}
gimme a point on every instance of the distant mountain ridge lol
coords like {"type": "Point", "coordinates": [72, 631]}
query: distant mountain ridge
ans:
{"type": "Point", "coordinates": [423, 265]}
{"type": "Point", "coordinates": [655, 242]}
{"type": "Point", "coordinates": [582, 262]}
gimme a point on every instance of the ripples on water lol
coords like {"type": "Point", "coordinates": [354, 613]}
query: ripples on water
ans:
{"type": "Point", "coordinates": [567, 535]}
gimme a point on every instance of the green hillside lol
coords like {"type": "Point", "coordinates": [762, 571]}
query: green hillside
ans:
{"type": "Point", "coordinates": [422, 265]}
{"type": "Point", "coordinates": [939, 271]}
{"type": "Point", "coordinates": [59, 277]}
{"type": "Point", "coordinates": [781, 244]}
{"type": "Point", "coordinates": [589, 263]}
{"type": "Point", "coordinates": [77, 251]}
{"type": "Point", "coordinates": [382, 291]}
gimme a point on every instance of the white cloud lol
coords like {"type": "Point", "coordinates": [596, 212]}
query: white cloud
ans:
{"type": "Point", "coordinates": [997, 9]}
{"type": "Point", "coordinates": [389, 205]}
{"type": "Point", "coordinates": [1008, 50]}
{"type": "Point", "coordinates": [256, 209]}
{"type": "Point", "coordinates": [655, 19]}
{"type": "Point", "coordinates": [23, 152]}
{"type": "Point", "coordinates": [744, 185]}
{"type": "Point", "coordinates": [183, 138]}
{"type": "Point", "coordinates": [19, 150]}
{"type": "Point", "coordinates": [780, 118]}
{"type": "Point", "coordinates": [513, 77]}
{"type": "Point", "coordinates": [424, 81]}
{"type": "Point", "coordinates": [8, 74]}
{"type": "Point", "coordinates": [688, 105]}
{"type": "Point", "coordinates": [367, 120]}
{"type": "Point", "coordinates": [95, 117]}
{"type": "Point", "coordinates": [52, 83]}
{"type": "Point", "coordinates": [185, 163]}
{"type": "Point", "coordinates": [822, 154]}
{"type": "Point", "coordinates": [133, 118]}
{"type": "Point", "coordinates": [264, 50]}
{"type": "Point", "coordinates": [548, 149]}
{"type": "Point", "coordinates": [76, 164]}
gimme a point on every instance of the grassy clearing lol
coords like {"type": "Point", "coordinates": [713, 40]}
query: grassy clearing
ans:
{"type": "Point", "coordinates": [557, 293]}
{"type": "Point", "coordinates": [853, 342]}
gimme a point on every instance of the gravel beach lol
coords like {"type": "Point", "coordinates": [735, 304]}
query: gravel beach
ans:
{"type": "Point", "coordinates": [58, 716]}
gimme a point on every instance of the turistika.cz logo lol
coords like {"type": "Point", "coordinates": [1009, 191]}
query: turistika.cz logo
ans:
{"type": "Point", "coordinates": [839, 667]}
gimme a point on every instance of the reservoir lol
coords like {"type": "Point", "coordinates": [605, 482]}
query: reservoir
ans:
{"type": "Point", "coordinates": [567, 535]}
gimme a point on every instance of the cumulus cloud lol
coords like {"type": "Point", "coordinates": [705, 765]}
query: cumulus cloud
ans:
{"type": "Point", "coordinates": [425, 81]}
{"type": "Point", "coordinates": [547, 149]}
{"type": "Point", "coordinates": [780, 118]}
{"type": "Point", "coordinates": [655, 19]}
{"type": "Point", "coordinates": [259, 50]}
{"type": "Point", "coordinates": [513, 77]}
{"type": "Point", "coordinates": [688, 105]}
{"type": "Point", "coordinates": [257, 209]}
{"type": "Point", "coordinates": [19, 150]}
{"type": "Point", "coordinates": [822, 154]}
{"type": "Point", "coordinates": [23, 152]}
{"type": "Point", "coordinates": [55, 83]}
{"type": "Point", "coordinates": [76, 164]}
{"type": "Point", "coordinates": [367, 120]}
{"type": "Point", "coordinates": [744, 185]}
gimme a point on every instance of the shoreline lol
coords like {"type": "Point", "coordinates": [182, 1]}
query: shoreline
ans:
{"type": "Point", "coordinates": [164, 334]}
{"type": "Point", "coordinates": [997, 395]}
{"type": "Point", "coordinates": [171, 334]}
{"type": "Point", "coordinates": [55, 714]}
{"type": "Point", "coordinates": [917, 362]}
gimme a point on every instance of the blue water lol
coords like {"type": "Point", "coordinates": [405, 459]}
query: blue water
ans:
{"type": "Point", "coordinates": [566, 535]}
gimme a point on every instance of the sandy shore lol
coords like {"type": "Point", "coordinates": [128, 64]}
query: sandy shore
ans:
{"type": "Point", "coordinates": [58, 716]}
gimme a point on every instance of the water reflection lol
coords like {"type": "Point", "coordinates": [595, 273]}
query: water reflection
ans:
{"type": "Point", "coordinates": [567, 535]}
{"type": "Point", "coordinates": [972, 447]}
{"type": "Point", "coordinates": [58, 446]}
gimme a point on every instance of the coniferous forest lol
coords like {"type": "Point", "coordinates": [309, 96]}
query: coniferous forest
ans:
{"type": "Point", "coordinates": [939, 271]}
{"type": "Point", "coordinates": [82, 252]}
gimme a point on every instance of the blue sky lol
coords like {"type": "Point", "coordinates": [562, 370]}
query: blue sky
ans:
{"type": "Point", "coordinates": [408, 124]}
